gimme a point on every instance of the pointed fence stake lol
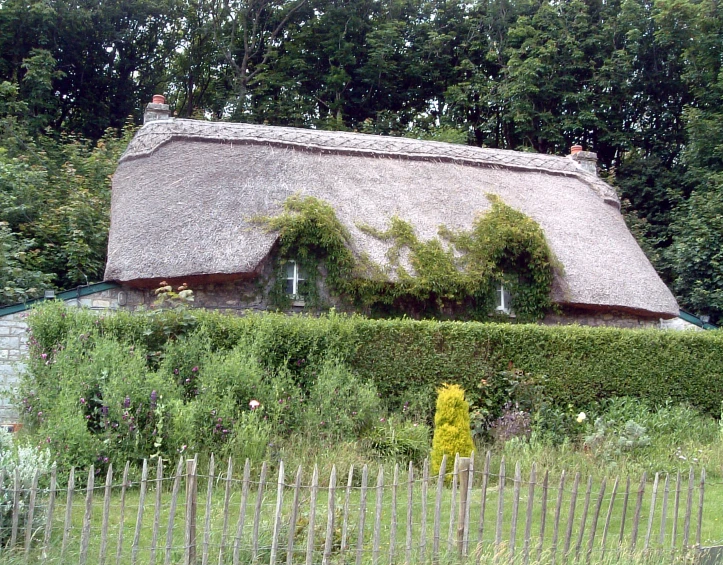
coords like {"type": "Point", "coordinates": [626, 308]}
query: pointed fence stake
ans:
{"type": "Point", "coordinates": [453, 504]}
{"type": "Point", "coordinates": [664, 510]}
{"type": "Point", "coordinates": [543, 513]}
{"type": "Point", "coordinates": [583, 518]}
{"type": "Point", "coordinates": [68, 514]}
{"type": "Point", "coordinates": [556, 524]}
{"type": "Point", "coordinates": [438, 509]}
{"type": "Point", "coordinates": [16, 509]}
{"type": "Point", "coordinates": [651, 514]}
{"type": "Point", "coordinates": [31, 515]}
{"type": "Point", "coordinates": [528, 515]}
{"type": "Point", "coordinates": [293, 518]}
{"type": "Point", "coordinates": [330, 515]}
{"type": "Point", "coordinates": [464, 480]}
{"type": "Point", "coordinates": [378, 516]}
{"type": "Point", "coordinates": [139, 516]}
{"type": "Point", "coordinates": [626, 498]}
{"type": "Point", "coordinates": [638, 509]}
{"type": "Point", "coordinates": [345, 513]}
{"type": "Point", "coordinates": [157, 510]}
{"type": "Point", "coordinates": [701, 492]}
{"type": "Point", "coordinates": [312, 517]}
{"type": "Point", "coordinates": [49, 513]}
{"type": "Point", "coordinates": [242, 512]}
{"type": "Point", "coordinates": [571, 516]}
{"type": "Point", "coordinates": [595, 518]}
{"type": "Point", "coordinates": [122, 513]}
{"type": "Point", "coordinates": [103, 552]}
{"type": "Point", "coordinates": [423, 521]}
{"type": "Point", "coordinates": [226, 504]}
{"type": "Point", "coordinates": [410, 509]}
{"type": "Point", "coordinates": [393, 526]}
{"type": "Point", "coordinates": [500, 507]}
{"type": "Point", "coordinates": [207, 514]}
{"type": "Point", "coordinates": [257, 514]}
{"type": "Point", "coordinates": [515, 510]}
{"type": "Point", "coordinates": [676, 512]}
{"type": "Point", "coordinates": [277, 515]}
{"type": "Point", "coordinates": [611, 505]}
{"type": "Point", "coordinates": [172, 511]}
{"type": "Point", "coordinates": [87, 515]}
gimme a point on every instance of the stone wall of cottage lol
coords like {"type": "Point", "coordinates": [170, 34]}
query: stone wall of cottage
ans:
{"type": "Point", "coordinates": [13, 351]}
{"type": "Point", "coordinates": [613, 318]}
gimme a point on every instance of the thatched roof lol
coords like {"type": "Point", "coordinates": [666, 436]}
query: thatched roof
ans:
{"type": "Point", "coordinates": [185, 192]}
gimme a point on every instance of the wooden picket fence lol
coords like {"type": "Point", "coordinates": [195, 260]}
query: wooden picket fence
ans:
{"type": "Point", "coordinates": [461, 514]}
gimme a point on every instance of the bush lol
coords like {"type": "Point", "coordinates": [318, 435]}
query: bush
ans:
{"type": "Point", "coordinates": [28, 461]}
{"type": "Point", "coordinates": [306, 370]}
{"type": "Point", "coordinates": [452, 434]}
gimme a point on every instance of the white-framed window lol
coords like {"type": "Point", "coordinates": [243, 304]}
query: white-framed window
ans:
{"type": "Point", "coordinates": [503, 300]}
{"type": "Point", "coordinates": [295, 280]}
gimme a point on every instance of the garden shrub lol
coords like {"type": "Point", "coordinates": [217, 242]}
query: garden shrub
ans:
{"type": "Point", "coordinates": [400, 440]}
{"type": "Point", "coordinates": [299, 364]}
{"type": "Point", "coordinates": [452, 433]}
{"type": "Point", "coordinates": [28, 461]}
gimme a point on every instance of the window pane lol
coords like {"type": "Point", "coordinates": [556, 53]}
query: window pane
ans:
{"type": "Point", "coordinates": [301, 273]}
{"type": "Point", "coordinates": [289, 286]}
{"type": "Point", "coordinates": [290, 269]}
{"type": "Point", "coordinates": [302, 288]}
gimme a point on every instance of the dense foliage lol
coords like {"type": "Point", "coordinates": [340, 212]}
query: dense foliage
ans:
{"type": "Point", "coordinates": [452, 432]}
{"type": "Point", "coordinates": [455, 275]}
{"type": "Point", "coordinates": [132, 385]}
{"type": "Point", "coordinates": [636, 81]}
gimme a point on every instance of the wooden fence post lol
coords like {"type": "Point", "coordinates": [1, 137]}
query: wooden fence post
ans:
{"type": "Point", "coordinates": [191, 502]}
{"type": "Point", "coordinates": [464, 478]}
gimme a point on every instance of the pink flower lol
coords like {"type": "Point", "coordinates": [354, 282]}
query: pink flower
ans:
{"type": "Point", "coordinates": [254, 404]}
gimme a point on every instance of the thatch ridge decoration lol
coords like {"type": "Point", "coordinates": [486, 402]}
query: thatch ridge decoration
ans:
{"type": "Point", "coordinates": [156, 134]}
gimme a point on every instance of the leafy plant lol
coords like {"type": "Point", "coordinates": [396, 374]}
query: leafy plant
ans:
{"type": "Point", "coordinates": [452, 433]}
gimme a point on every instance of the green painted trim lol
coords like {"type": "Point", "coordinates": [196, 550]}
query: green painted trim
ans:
{"type": "Point", "coordinates": [695, 320]}
{"type": "Point", "coordinates": [79, 292]}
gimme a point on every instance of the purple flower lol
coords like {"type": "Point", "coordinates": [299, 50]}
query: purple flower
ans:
{"type": "Point", "coordinates": [127, 402]}
{"type": "Point", "coordinates": [104, 410]}
{"type": "Point", "coordinates": [194, 369]}
{"type": "Point", "coordinates": [44, 356]}
{"type": "Point", "coordinates": [82, 400]}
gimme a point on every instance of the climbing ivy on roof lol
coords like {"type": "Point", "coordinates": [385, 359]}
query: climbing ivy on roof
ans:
{"type": "Point", "coordinates": [454, 275]}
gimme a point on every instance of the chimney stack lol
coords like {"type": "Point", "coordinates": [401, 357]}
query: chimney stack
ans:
{"type": "Point", "coordinates": [157, 109]}
{"type": "Point", "coordinates": [586, 160]}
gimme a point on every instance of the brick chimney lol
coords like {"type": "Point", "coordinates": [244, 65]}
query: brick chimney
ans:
{"type": "Point", "coordinates": [157, 109]}
{"type": "Point", "coordinates": [586, 160]}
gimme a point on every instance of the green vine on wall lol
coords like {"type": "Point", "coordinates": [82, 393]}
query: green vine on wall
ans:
{"type": "Point", "coordinates": [452, 276]}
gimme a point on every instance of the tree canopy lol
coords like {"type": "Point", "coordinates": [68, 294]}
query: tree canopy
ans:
{"type": "Point", "coordinates": [637, 81]}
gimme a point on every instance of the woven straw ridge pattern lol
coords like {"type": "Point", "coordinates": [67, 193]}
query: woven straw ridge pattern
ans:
{"type": "Point", "coordinates": [186, 193]}
{"type": "Point", "coordinates": [155, 134]}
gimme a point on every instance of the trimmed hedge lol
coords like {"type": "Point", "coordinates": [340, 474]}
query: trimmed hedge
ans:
{"type": "Point", "coordinates": [581, 365]}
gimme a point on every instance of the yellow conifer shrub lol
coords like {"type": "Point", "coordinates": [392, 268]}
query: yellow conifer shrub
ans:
{"type": "Point", "coordinates": [452, 433]}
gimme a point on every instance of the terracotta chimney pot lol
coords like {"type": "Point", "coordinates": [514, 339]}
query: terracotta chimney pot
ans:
{"type": "Point", "coordinates": [159, 99]}
{"type": "Point", "coordinates": [573, 150]}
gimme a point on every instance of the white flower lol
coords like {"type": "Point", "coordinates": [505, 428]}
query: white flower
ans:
{"type": "Point", "coordinates": [581, 417]}
{"type": "Point", "coordinates": [254, 404]}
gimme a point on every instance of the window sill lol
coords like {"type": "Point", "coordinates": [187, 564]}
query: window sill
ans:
{"type": "Point", "coordinates": [298, 303]}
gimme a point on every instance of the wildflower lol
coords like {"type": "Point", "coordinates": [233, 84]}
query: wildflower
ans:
{"type": "Point", "coordinates": [154, 398]}
{"type": "Point", "coordinates": [254, 404]}
{"type": "Point", "coordinates": [581, 417]}
{"type": "Point", "coordinates": [127, 402]}
{"type": "Point", "coordinates": [195, 369]}
{"type": "Point", "coordinates": [82, 400]}
{"type": "Point", "coordinates": [44, 355]}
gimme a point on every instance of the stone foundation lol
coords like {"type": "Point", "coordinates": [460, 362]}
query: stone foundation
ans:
{"type": "Point", "coordinates": [613, 318]}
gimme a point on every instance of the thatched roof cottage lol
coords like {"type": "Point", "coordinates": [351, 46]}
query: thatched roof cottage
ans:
{"type": "Point", "coordinates": [187, 197]}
